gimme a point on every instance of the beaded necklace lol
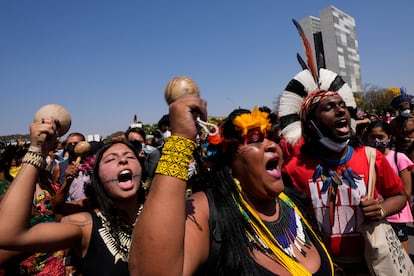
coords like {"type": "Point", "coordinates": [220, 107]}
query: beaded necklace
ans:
{"type": "Point", "coordinates": [289, 230]}
{"type": "Point", "coordinates": [333, 175]}
{"type": "Point", "coordinates": [262, 238]}
{"type": "Point", "coordinates": [119, 241]}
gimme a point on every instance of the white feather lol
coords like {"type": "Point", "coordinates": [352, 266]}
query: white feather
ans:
{"type": "Point", "coordinates": [347, 95]}
{"type": "Point", "coordinates": [289, 103]}
{"type": "Point", "coordinates": [326, 77]}
{"type": "Point", "coordinates": [292, 132]}
{"type": "Point", "coordinates": [306, 79]}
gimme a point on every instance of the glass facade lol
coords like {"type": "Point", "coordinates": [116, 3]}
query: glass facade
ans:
{"type": "Point", "coordinates": [333, 36]}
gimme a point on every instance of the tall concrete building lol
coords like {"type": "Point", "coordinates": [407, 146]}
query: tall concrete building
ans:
{"type": "Point", "coordinates": [333, 35]}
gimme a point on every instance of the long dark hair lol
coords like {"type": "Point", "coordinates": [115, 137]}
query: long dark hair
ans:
{"type": "Point", "coordinates": [100, 199]}
{"type": "Point", "coordinates": [6, 157]}
{"type": "Point", "coordinates": [233, 254]}
{"type": "Point", "coordinates": [385, 126]}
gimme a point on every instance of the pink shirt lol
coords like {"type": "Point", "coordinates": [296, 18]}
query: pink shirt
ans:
{"type": "Point", "coordinates": [403, 162]}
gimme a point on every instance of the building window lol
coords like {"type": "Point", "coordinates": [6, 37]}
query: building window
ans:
{"type": "Point", "coordinates": [341, 61]}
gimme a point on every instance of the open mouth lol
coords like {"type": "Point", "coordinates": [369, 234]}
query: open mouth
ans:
{"type": "Point", "coordinates": [125, 180]}
{"type": "Point", "coordinates": [342, 126]}
{"type": "Point", "coordinates": [272, 167]}
{"type": "Point", "coordinates": [124, 176]}
{"type": "Point", "coordinates": [272, 164]}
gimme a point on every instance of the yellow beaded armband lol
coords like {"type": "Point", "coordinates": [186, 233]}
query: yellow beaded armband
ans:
{"type": "Point", "coordinates": [177, 154]}
{"type": "Point", "coordinates": [36, 159]}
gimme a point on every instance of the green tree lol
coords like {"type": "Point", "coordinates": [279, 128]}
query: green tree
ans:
{"type": "Point", "coordinates": [375, 99]}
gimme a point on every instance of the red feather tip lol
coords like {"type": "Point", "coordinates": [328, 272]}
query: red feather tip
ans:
{"type": "Point", "coordinates": [308, 50]}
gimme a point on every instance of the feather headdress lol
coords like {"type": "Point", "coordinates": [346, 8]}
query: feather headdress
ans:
{"type": "Point", "coordinates": [404, 97]}
{"type": "Point", "coordinates": [308, 51]}
{"type": "Point", "coordinates": [304, 83]}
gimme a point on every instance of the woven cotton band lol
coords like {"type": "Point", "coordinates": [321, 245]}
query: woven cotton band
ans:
{"type": "Point", "coordinates": [36, 159]}
{"type": "Point", "coordinates": [177, 154]}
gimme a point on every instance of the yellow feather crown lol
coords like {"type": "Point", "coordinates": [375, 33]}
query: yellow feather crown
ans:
{"type": "Point", "coordinates": [247, 121]}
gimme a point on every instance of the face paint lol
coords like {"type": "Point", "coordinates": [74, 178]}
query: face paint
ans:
{"type": "Point", "coordinates": [247, 148]}
{"type": "Point", "coordinates": [117, 180]}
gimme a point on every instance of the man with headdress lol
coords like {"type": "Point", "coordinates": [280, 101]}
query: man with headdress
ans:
{"type": "Point", "coordinates": [331, 169]}
{"type": "Point", "coordinates": [402, 126]}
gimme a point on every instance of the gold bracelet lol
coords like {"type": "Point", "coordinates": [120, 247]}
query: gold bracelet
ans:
{"type": "Point", "coordinates": [36, 159]}
{"type": "Point", "coordinates": [383, 212]}
{"type": "Point", "coordinates": [177, 154]}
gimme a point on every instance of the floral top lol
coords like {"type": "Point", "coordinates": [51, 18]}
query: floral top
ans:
{"type": "Point", "coordinates": [39, 263]}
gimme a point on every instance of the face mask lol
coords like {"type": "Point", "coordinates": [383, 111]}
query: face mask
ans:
{"type": "Point", "coordinates": [380, 145]}
{"type": "Point", "coordinates": [147, 148]}
{"type": "Point", "coordinates": [327, 142]}
{"type": "Point", "coordinates": [137, 145]}
{"type": "Point", "coordinates": [405, 112]}
{"type": "Point", "coordinates": [59, 153]}
{"type": "Point", "coordinates": [166, 134]}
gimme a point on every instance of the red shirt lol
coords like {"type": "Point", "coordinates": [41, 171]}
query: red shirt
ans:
{"type": "Point", "coordinates": [343, 237]}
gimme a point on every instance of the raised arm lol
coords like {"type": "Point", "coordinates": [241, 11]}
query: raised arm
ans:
{"type": "Point", "coordinates": [163, 236]}
{"type": "Point", "coordinates": [16, 206]}
{"type": "Point", "coordinates": [62, 207]}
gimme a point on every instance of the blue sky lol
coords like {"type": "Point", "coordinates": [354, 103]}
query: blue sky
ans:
{"type": "Point", "coordinates": [105, 61]}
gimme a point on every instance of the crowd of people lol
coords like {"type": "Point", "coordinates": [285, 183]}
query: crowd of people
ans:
{"type": "Point", "coordinates": [265, 192]}
{"type": "Point", "coordinates": [123, 207]}
{"type": "Point", "coordinates": [73, 218]}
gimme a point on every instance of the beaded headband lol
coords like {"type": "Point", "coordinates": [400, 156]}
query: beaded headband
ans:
{"type": "Point", "coordinates": [312, 100]}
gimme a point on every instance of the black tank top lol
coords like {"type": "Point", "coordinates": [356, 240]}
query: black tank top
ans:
{"type": "Point", "coordinates": [99, 260]}
{"type": "Point", "coordinates": [216, 240]}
